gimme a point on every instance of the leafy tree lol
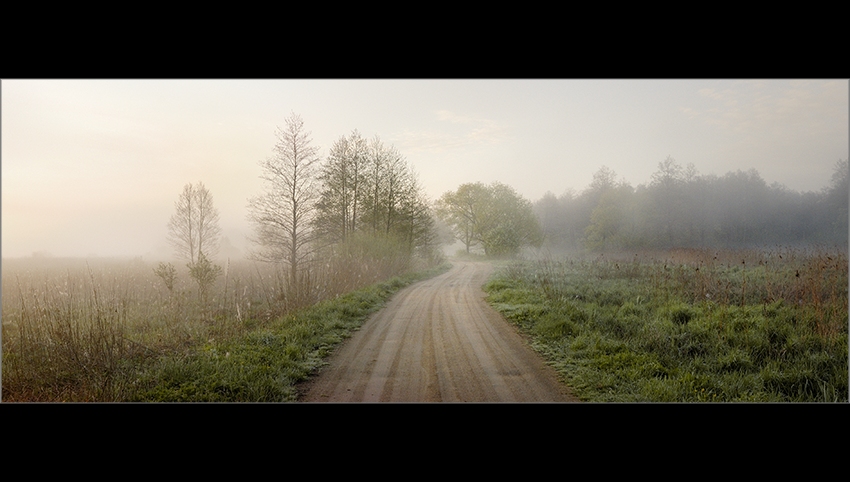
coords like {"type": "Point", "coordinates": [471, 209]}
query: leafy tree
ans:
{"type": "Point", "coordinates": [836, 204]}
{"type": "Point", "coordinates": [193, 229]}
{"type": "Point", "coordinates": [508, 223]}
{"type": "Point", "coordinates": [368, 188]}
{"type": "Point", "coordinates": [547, 211]}
{"type": "Point", "coordinates": [680, 208]}
{"type": "Point", "coordinates": [744, 200]}
{"type": "Point", "coordinates": [493, 216]}
{"type": "Point", "coordinates": [416, 225]}
{"type": "Point", "coordinates": [609, 221]}
{"type": "Point", "coordinates": [282, 215]}
{"type": "Point", "coordinates": [563, 219]}
{"type": "Point", "coordinates": [461, 209]}
{"type": "Point", "coordinates": [666, 198]}
{"type": "Point", "coordinates": [603, 180]}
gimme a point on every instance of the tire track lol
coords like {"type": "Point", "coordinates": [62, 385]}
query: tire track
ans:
{"type": "Point", "coordinates": [437, 341]}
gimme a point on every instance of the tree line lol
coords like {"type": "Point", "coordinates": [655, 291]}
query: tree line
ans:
{"type": "Point", "coordinates": [359, 213]}
{"type": "Point", "coordinates": [362, 203]}
{"type": "Point", "coordinates": [681, 208]}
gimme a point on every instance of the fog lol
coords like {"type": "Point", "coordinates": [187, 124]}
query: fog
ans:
{"type": "Point", "coordinates": [94, 167]}
{"type": "Point", "coordinates": [680, 208]}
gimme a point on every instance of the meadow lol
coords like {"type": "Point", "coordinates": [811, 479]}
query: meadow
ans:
{"type": "Point", "coordinates": [123, 330]}
{"type": "Point", "coordinates": [766, 325]}
{"type": "Point", "coordinates": [678, 326]}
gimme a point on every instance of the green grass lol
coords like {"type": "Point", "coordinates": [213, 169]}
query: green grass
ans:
{"type": "Point", "coordinates": [266, 364]}
{"type": "Point", "coordinates": [699, 329]}
{"type": "Point", "coordinates": [110, 331]}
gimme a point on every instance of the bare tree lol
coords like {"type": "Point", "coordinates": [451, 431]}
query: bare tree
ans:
{"type": "Point", "coordinates": [193, 229]}
{"type": "Point", "coordinates": [343, 189]}
{"type": "Point", "coordinates": [386, 185]}
{"type": "Point", "coordinates": [209, 231]}
{"type": "Point", "coordinates": [181, 227]}
{"type": "Point", "coordinates": [282, 215]}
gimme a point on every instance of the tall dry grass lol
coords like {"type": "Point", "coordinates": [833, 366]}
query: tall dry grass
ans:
{"type": "Point", "coordinates": [77, 330]}
{"type": "Point", "coordinates": [65, 330]}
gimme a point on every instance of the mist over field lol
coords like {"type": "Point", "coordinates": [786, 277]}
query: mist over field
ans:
{"type": "Point", "coordinates": [214, 240]}
{"type": "Point", "coordinates": [94, 167]}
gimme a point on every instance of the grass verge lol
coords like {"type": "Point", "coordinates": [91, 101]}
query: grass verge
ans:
{"type": "Point", "coordinates": [666, 330]}
{"type": "Point", "coordinates": [266, 363]}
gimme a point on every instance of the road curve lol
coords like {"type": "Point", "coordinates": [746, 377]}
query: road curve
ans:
{"type": "Point", "coordinates": [437, 341]}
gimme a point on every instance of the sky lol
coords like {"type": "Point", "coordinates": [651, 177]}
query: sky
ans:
{"type": "Point", "coordinates": [92, 167]}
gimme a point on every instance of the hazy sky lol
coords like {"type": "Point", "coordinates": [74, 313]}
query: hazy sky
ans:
{"type": "Point", "coordinates": [94, 166]}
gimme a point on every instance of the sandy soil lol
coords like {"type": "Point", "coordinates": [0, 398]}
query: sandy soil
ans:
{"type": "Point", "coordinates": [437, 341]}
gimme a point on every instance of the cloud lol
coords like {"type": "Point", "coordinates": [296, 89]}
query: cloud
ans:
{"type": "Point", "coordinates": [449, 116]}
{"type": "Point", "coordinates": [689, 112]}
{"type": "Point", "coordinates": [470, 131]}
{"type": "Point", "coordinates": [710, 93]}
{"type": "Point", "coordinates": [778, 110]}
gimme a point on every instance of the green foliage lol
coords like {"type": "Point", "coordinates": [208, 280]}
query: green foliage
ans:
{"type": "Point", "coordinates": [679, 208]}
{"type": "Point", "coordinates": [106, 333]}
{"type": "Point", "coordinates": [364, 220]}
{"type": "Point", "coordinates": [609, 225]}
{"type": "Point", "coordinates": [266, 364]}
{"type": "Point", "coordinates": [492, 216]}
{"type": "Point", "coordinates": [204, 272]}
{"type": "Point", "coordinates": [681, 314]}
{"type": "Point", "coordinates": [554, 327]}
{"type": "Point", "coordinates": [644, 330]}
{"type": "Point", "coordinates": [369, 187]}
{"type": "Point", "coordinates": [336, 225]}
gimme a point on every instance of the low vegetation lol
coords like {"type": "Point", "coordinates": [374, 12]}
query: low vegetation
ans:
{"type": "Point", "coordinates": [117, 331]}
{"type": "Point", "coordinates": [688, 326]}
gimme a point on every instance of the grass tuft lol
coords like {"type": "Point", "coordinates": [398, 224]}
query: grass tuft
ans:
{"type": "Point", "coordinates": [688, 326]}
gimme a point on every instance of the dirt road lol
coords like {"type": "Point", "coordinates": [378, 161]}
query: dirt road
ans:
{"type": "Point", "coordinates": [437, 341]}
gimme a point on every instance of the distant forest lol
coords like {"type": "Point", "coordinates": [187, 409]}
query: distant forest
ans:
{"type": "Point", "coordinates": [680, 208]}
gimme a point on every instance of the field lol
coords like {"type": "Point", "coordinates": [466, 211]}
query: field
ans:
{"type": "Point", "coordinates": [689, 325]}
{"type": "Point", "coordinates": [108, 330]}
{"type": "Point", "coordinates": [684, 326]}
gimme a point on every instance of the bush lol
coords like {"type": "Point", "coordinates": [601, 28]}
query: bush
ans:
{"type": "Point", "coordinates": [204, 272]}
